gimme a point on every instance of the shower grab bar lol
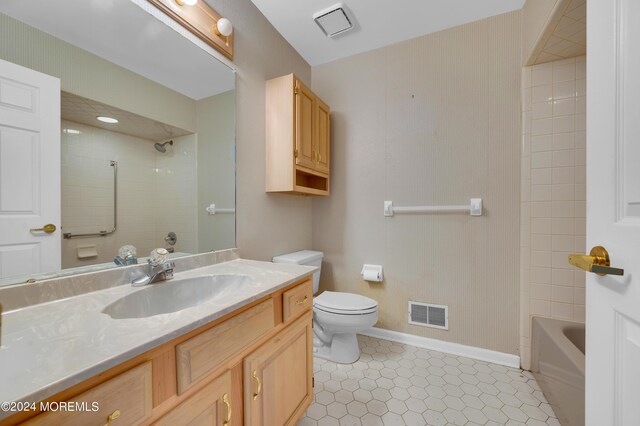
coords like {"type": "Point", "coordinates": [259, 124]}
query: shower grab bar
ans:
{"type": "Point", "coordinates": [474, 208]}
{"type": "Point", "coordinates": [213, 210]}
{"type": "Point", "coordinates": [69, 235]}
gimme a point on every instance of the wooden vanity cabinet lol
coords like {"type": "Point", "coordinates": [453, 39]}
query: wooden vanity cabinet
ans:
{"type": "Point", "coordinates": [278, 377]}
{"type": "Point", "coordinates": [208, 376]}
{"type": "Point", "coordinates": [298, 138]}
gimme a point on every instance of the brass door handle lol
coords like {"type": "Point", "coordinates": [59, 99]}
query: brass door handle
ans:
{"type": "Point", "coordinates": [49, 228]}
{"type": "Point", "coordinates": [225, 399]}
{"type": "Point", "coordinates": [258, 384]}
{"type": "Point", "coordinates": [597, 262]}
{"type": "Point", "coordinates": [303, 301]}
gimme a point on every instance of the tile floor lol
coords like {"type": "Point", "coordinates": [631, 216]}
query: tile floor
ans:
{"type": "Point", "coordinates": [395, 384]}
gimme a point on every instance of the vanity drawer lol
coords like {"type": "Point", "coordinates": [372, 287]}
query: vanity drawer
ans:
{"type": "Point", "coordinates": [297, 300]}
{"type": "Point", "coordinates": [126, 398]}
{"type": "Point", "coordinates": [202, 354]}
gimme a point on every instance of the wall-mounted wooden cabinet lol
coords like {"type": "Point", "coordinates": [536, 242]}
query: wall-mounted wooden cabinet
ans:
{"type": "Point", "coordinates": [298, 138]}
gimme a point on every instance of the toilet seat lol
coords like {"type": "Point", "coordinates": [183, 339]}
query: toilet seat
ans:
{"type": "Point", "coordinates": [343, 312]}
{"type": "Point", "coordinates": [344, 303]}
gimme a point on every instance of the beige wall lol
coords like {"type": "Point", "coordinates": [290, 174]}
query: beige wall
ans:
{"type": "Point", "coordinates": [553, 193]}
{"type": "Point", "coordinates": [88, 75]}
{"type": "Point", "coordinates": [267, 224]}
{"type": "Point", "coordinates": [430, 121]}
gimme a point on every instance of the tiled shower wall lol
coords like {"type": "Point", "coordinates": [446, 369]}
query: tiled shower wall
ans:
{"type": "Point", "coordinates": [553, 193]}
{"type": "Point", "coordinates": [156, 192]}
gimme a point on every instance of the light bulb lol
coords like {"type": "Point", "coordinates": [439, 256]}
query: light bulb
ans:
{"type": "Point", "coordinates": [224, 27]}
{"type": "Point", "coordinates": [186, 2]}
{"type": "Point", "coordinates": [105, 119]}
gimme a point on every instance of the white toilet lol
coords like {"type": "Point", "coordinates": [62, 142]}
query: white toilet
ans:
{"type": "Point", "coordinates": [337, 317]}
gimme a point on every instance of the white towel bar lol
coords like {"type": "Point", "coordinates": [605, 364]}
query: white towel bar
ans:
{"type": "Point", "coordinates": [474, 208]}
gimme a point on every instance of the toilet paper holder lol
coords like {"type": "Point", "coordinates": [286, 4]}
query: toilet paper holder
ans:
{"type": "Point", "coordinates": [372, 273]}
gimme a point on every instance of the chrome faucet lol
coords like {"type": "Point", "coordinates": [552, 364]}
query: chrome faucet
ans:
{"type": "Point", "coordinates": [157, 272]}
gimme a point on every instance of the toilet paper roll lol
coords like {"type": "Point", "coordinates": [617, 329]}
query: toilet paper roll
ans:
{"type": "Point", "coordinates": [372, 273]}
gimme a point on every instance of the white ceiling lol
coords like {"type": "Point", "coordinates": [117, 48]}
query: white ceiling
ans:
{"type": "Point", "coordinates": [125, 34]}
{"type": "Point", "coordinates": [378, 22]}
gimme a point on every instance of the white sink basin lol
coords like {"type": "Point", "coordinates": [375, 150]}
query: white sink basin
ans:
{"type": "Point", "coordinates": [176, 295]}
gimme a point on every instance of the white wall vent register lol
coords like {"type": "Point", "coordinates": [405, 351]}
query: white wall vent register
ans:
{"type": "Point", "coordinates": [429, 315]}
{"type": "Point", "coordinates": [334, 20]}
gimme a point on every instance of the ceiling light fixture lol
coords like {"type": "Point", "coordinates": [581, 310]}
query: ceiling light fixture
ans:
{"type": "Point", "coordinates": [334, 20]}
{"type": "Point", "coordinates": [186, 2]}
{"type": "Point", "coordinates": [223, 27]}
{"type": "Point", "coordinates": [105, 119]}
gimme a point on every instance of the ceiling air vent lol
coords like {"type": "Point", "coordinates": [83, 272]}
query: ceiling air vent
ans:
{"type": "Point", "coordinates": [334, 20]}
{"type": "Point", "coordinates": [429, 315]}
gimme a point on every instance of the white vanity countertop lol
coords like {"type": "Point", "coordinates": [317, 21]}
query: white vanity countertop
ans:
{"type": "Point", "coordinates": [50, 347]}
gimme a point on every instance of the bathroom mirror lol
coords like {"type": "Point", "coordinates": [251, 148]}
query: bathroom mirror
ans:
{"type": "Point", "coordinates": [163, 175]}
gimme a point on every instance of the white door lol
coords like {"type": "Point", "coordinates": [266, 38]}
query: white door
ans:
{"type": "Point", "coordinates": [29, 171]}
{"type": "Point", "coordinates": [613, 211]}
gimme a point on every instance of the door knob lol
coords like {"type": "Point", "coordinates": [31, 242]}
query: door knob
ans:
{"type": "Point", "coordinates": [49, 228]}
{"type": "Point", "coordinates": [597, 262]}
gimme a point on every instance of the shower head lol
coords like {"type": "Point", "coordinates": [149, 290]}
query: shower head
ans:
{"type": "Point", "coordinates": [160, 147]}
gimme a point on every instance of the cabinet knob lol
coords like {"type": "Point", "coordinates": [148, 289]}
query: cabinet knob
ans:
{"type": "Point", "coordinates": [303, 301]}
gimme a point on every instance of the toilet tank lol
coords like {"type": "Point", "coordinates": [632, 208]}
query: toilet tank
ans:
{"type": "Point", "coordinates": [304, 257]}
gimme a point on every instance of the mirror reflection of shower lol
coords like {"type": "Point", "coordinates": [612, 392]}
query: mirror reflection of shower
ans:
{"type": "Point", "coordinates": [160, 147]}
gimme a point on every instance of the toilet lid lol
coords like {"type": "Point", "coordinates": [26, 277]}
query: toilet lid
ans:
{"type": "Point", "coordinates": [344, 301]}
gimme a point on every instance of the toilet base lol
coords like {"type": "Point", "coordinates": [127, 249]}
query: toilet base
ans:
{"type": "Point", "coordinates": [343, 348]}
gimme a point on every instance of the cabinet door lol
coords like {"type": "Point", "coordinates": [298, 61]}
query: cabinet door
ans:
{"type": "Point", "coordinates": [322, 136]}
{"type": "Point", "coordinates": [211, 405]}
{"type": "Point", "coordinates": [278, 377]}
{"type": "Point", "coordinates": [305, 125]}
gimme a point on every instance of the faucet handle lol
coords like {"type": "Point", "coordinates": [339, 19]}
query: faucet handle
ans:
{"type": "Point", "coordinates": [158, 256]}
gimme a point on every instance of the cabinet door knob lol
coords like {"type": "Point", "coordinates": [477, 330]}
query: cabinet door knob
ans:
{"type": "Point", "coordinates": [225, 399]}
{"type": "Point", "coordinates": [303, 301]}
{"type": "Point", "coordinates": [258, 384]}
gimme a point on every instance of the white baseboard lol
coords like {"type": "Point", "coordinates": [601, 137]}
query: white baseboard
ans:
{"type": "Point", "coordinates": [472, 352]}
